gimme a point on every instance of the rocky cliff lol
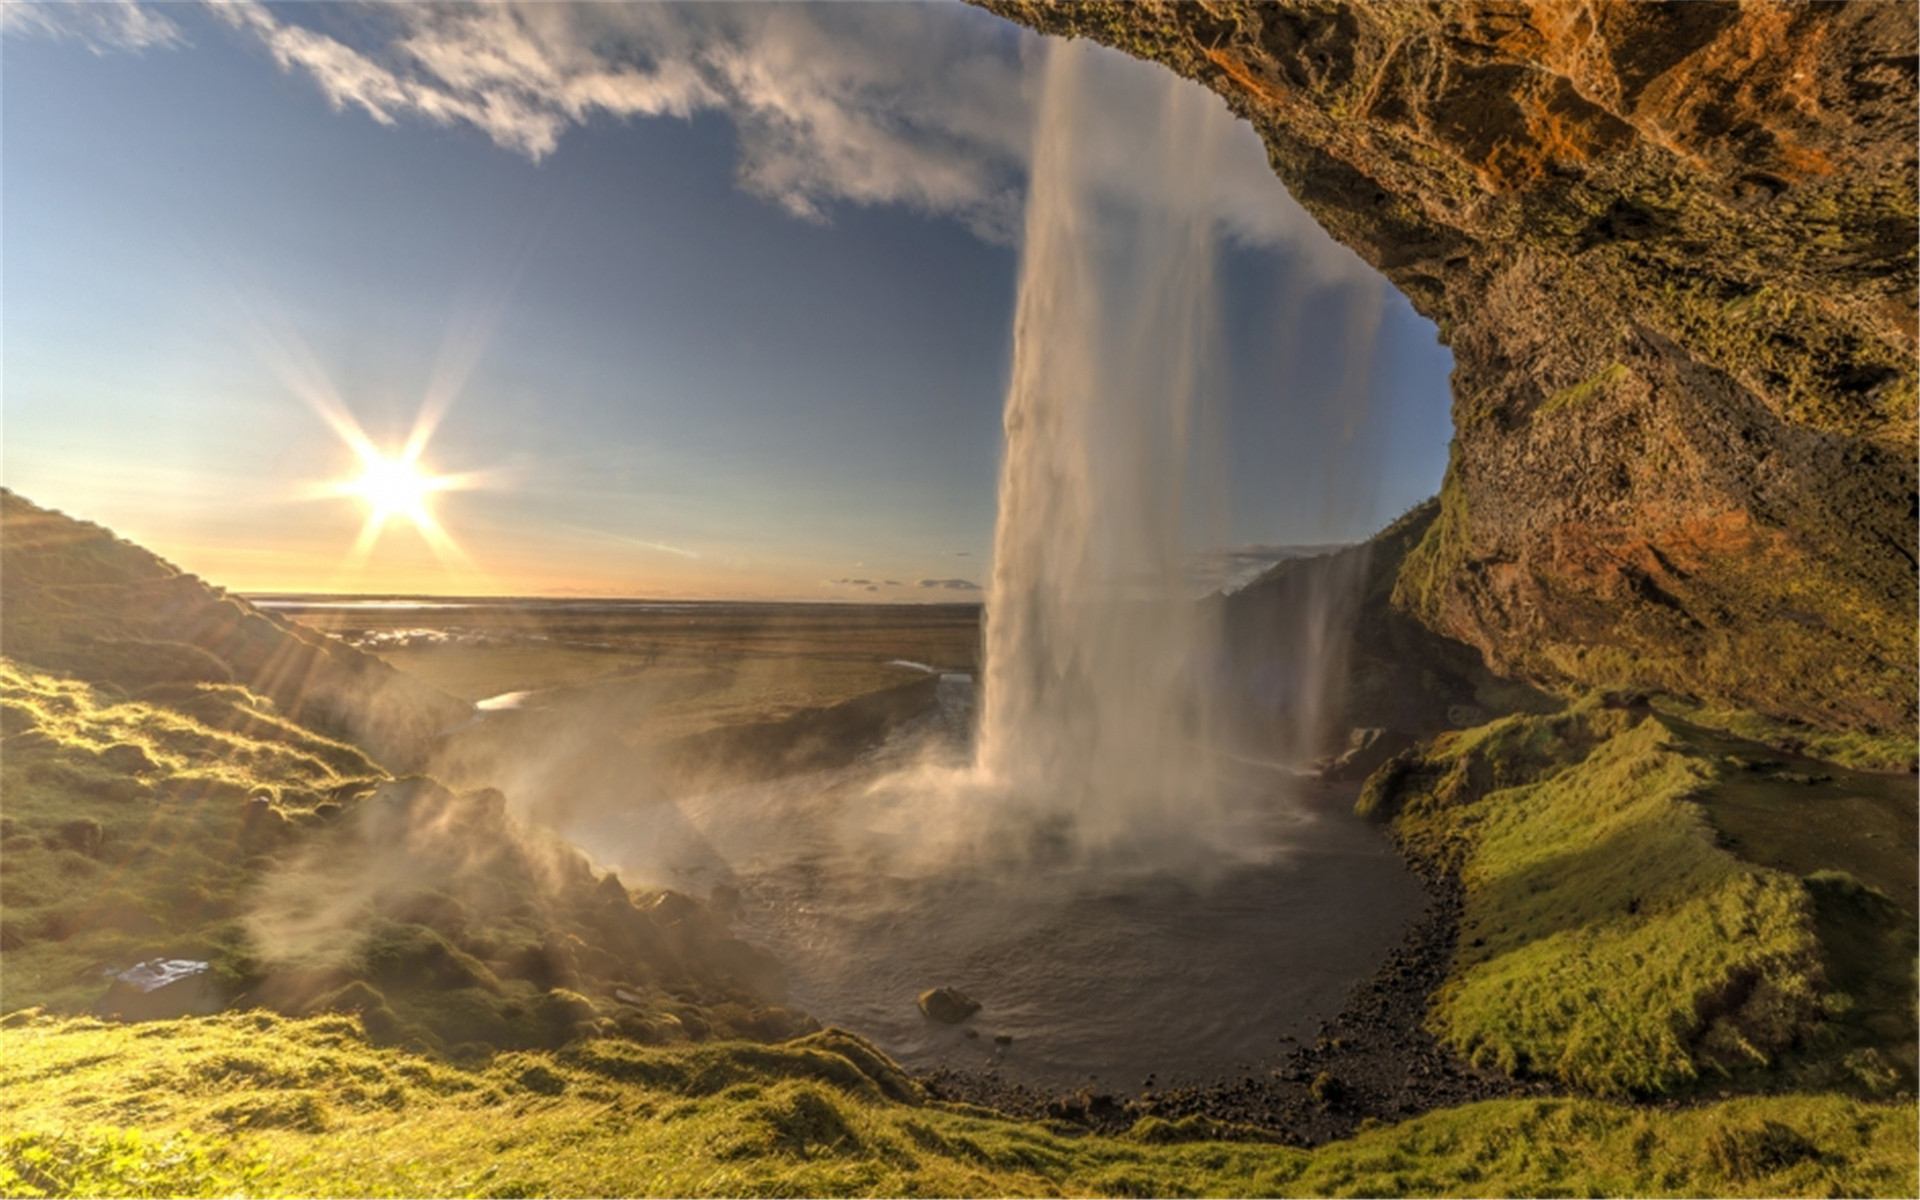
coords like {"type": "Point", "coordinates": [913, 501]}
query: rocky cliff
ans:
{"type": "Point", "coordinates": [1672, 247]}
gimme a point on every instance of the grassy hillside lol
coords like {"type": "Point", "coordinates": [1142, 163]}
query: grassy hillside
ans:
{"type": "Point", "coordinates": [198, 824]}
{"type": "Point", "coordinates": [83, 603]}
{"type": "Point", "coordinates": [1612, 937]}
{"type": "Point", "coordinates": [250, 1103]}
{"type": "Point", "coordinates": [178, 783]}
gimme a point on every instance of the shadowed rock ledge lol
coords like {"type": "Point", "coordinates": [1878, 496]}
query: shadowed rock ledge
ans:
{"type": "Point", "coordinates": [1672, 249]}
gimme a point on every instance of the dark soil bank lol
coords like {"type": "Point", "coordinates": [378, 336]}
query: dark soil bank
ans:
{"type": "Point", "coordinates": [1374, 1059]}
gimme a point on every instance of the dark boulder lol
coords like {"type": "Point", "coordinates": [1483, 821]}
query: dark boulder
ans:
{"type": "Point", "coordinates": [948, 1005]}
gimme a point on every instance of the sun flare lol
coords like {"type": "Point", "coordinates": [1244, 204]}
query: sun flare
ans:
{"type": "Point", "coordinates": [395, 487]}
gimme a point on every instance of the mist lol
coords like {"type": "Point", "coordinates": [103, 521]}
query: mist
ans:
{"type": "Point", "coordinates": [1107, 827]}
{"type": "Point", "coordinates": [1111, 829]}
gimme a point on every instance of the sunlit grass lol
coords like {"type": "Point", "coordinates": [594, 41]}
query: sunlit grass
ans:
{"type": "Point", "coordinates": [261, 1105]}
{"type": "Point", "coordinates": [133, 827]}
{"type": "Point", "coordinates": [1608, 940]}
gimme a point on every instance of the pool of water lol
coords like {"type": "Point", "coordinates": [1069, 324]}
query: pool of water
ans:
{"type": "Point", "coordinates": [1189, 953]}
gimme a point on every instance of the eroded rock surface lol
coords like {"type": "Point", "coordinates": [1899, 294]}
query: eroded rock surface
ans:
{"type": "Point", "coordinates": [1672, 249]}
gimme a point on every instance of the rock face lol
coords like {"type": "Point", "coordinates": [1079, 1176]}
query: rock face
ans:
{"type": "Point", "coordinates": [1672, 249]}
{"type": "Point", "coordinates": [1395, 674]}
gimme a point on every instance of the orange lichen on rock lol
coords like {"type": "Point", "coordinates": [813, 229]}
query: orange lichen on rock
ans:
{"type": "Point", "coordinates": [1671, 249]}
{"type": "Point", "coordinates": [1609, 558]}
{"type": "Point", "coordinates": [1259, 88]}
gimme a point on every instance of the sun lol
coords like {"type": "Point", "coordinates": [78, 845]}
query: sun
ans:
{"type": "Point", "coordinates": [389, 481]}
{"type": "Point", "coordinates": [395, 487]}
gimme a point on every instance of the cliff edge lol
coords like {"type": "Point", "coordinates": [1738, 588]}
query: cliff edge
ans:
{"type": "Point", "coordinates": [1672, 247]}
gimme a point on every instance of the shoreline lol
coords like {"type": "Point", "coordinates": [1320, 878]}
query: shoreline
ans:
{"type": "Point", "coordinates": [1373, 1060]}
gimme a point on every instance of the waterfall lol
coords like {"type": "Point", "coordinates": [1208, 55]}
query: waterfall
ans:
{"type": "Point", "coordinates": [1098, 662]}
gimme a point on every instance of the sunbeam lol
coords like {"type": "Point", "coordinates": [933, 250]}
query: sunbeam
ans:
{"type": "Point", "coordinates": [391, 482]}
{"type": "Point", "coordinates": [396, 485]}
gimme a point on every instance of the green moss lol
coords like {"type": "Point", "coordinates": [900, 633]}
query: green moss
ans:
{"type": "Point", "coordinates": [1756, 630]}
{"type": "Point", "coordinates": [1849, 748]}
{"type": "Point", "coordinates": [1600, 384]}
{"type": "Point", "coordinates": [1606, 939]}
{"type": "Point", "coordinates": [132, 827]}
{"type": "Point", "coordinates": [1818, 367]}
{"type": "Point", "coordinates": [1422, 584]}
{"type": "Point", "coordinates": [249, 1103]}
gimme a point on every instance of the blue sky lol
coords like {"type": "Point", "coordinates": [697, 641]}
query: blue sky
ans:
{"type": "Point", "coordinates": [718, 300]}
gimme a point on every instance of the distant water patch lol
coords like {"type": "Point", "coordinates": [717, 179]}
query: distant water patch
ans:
{"type": "Point", "coordinates": [503, 702]}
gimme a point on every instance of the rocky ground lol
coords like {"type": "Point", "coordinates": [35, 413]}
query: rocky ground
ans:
{"type": "Point", "coordinates": [1373, 1061]}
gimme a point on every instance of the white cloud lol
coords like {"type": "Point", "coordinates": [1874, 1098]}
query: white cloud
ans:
{"type": "Point", "coordinates": [102, 24]}
{"type": "Point", "coordinates": [918, 105]}
{"type": "Point", "coordinates": [923, 105]}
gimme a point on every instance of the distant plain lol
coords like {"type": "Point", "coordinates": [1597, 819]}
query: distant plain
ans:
{"type": "Point", "coordinates": [675, 669]}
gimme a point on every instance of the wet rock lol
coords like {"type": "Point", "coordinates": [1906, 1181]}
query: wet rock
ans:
{"type": "Point", "coordinates": [1373, 1060]}
{"type": "Point", "coordinates": [1366, 750]}
{"type": "Point", "coordinates": [1326, 1089]}
{"type": "Point", "coordinates": [161, 988]}
{"type": "Point", "coordinates": [1613, 212]}
{"type": "Point", "coordinates": [748, 966]}
{"type": "Point", "coordinates": [724, 902]}
{"type": "Point", "coordinates": [1628, 699]}
{"type": "Point", "coordinates": [948, 1005]}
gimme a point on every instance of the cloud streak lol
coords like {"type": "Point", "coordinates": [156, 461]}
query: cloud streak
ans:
{"type": "Point", "coordinates": [103, 24]}
{"type": "Point", "coordinates": [914, 105]}
{"type": "Point", "coordinates": [925, 106]}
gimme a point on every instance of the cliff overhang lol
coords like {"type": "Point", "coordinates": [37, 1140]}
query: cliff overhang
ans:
{"type": "Point", "coordinates": [1672, 247]}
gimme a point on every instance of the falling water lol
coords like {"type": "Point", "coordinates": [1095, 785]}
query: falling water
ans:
{"type": "Point", "coordinates": [1096, 688]}
{"type": "Point", "coordinates": [1120, 895]}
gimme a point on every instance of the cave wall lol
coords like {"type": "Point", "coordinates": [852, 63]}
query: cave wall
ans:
{"type": "Point", "coordinates": [1672, 247]}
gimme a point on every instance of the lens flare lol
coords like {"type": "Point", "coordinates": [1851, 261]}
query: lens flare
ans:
{"type": "Point", "coordinates": [396, 487]}
{"type": "Point", "coordinates": [391, 483]}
